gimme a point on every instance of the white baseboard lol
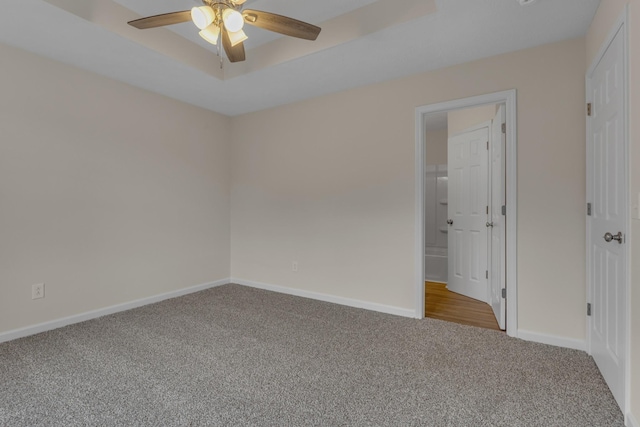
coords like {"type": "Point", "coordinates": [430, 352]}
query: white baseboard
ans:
{"type": "Point", "coordinates": [571, 343]}
{"type": "Point", "coordinates": [77, 318]}
{"type": "Point", "coordinates": [632, 421]}
{"type": "Point", "coordinates": [388, 309]}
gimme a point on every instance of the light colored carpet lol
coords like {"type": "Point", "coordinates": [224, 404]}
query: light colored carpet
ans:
{"type": "Point", "coordinates": [236, 356]}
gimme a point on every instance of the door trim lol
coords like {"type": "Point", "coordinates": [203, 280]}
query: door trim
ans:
{"type": "Point", "coordinates": [508, 98]}
{"type": "Point", "coordinates": [621, 26]}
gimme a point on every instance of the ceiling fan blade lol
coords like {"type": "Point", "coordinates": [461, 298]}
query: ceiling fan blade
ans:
{"type": "Point", "coordinates": [281, 24]}
{"type": "Point", "coordinates": [161, 20]}
{"type": "Point", "coordinates": [234, 53]}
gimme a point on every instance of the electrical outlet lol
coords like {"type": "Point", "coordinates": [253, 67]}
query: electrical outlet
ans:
{"type": "Point", "coordinates": [37, 291]}
{"type": "Point", "coordinates": [294, 266]}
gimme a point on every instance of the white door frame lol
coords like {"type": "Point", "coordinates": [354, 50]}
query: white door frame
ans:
{"type": "Point", "coordinates": [509, 99]}
{"type": "Point", "coordinates": [621, 25]}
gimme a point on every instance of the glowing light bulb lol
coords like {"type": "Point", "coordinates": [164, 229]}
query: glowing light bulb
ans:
{"type": "Point", "coordinates": [233, 20]}
{"type": "Point", "coordinates": [237, 37]}
{"type": "Point", "coordinates": [202, 16]}
{"type": "Point", "coordinates": [211, 33]}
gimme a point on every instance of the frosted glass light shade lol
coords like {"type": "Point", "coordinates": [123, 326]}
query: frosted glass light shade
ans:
{"type": "Point", "coordinates": [202, 16]}
{"type": "Point", "coordinates": [237, 37]}
{"type": "Point", "coordinates": [211, 33]}
{"type": "Point", "coordinates": [233, 20]}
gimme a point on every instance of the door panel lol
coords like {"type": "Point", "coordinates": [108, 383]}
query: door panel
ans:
{"type": "Point", "coordinates": [468, 201]}
{"type": "Point", "coordinates": [607, 193]}
{"type": "Point", "coordinates": [457, 256]}
{"type": "Point", "coordinates": [475, 255]}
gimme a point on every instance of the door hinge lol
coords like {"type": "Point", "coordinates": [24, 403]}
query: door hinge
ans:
{"type": "Point", "coordinates": [486, 274]}
{"type": "Point", "coordinates": [487, 145]}
{"type": "Point", "coordinates": [504, 210]}
{"type": "Point", "coordinates": [588, 309]}
{"type": "Point", "coordinates": [487, 210]}
{"type": "Point", "coordinates": [504, 292]}
{"type": "Point", "coordinates": [589, 109]}
{"type": "Point", "coordinates": [504, 128]}
{"type": "Point", "coordinates": [588, 209]}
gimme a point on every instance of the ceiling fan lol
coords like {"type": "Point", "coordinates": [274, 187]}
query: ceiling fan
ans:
{"type": "Point", "coordinates": [225, 19]}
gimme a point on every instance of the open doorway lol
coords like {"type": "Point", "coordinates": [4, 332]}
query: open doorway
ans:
{"type": "Point", "coordinates": [465, 211]}
{"type": "Point", "coordinates": [464, 181]}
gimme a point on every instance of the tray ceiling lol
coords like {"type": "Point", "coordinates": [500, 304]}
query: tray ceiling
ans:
{"type": "Point", "coordinates": [362, 42]}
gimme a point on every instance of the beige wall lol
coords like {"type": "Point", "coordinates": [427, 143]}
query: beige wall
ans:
{"type": "Point", "coordinates": [329, 183]}
{"type": "Point", "coordinates": [460, 120]}
{"type": "Point", "coordinates": [602, 24]}
{"type": "Point", "coordinates": [109, 193]}
{"type": "Point", "coordinates": [436, 147]}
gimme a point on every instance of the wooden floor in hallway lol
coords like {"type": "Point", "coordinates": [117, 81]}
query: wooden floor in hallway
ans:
{"type": "Point", "coordinates": [440, 303]}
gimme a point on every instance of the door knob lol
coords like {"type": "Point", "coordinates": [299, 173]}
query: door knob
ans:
{"type": "Point", "coordinates": [450, 221]}
{"type": "Point", "coordinates": [489, 224]}
{"type": "Point", "coordinates": [609, 237]}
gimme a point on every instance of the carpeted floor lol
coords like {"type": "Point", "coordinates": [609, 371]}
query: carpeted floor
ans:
{"type": "Point", "coordinates": [236, 356]}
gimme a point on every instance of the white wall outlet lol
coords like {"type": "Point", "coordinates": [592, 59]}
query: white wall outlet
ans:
{"type": "Point", "coordinates": [294, 266]}
{"type": "Point", "coordinates": [37, 291]}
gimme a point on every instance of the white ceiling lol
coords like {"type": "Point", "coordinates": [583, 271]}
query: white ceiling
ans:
{"type": "Point", "coordinates": [381, 44]}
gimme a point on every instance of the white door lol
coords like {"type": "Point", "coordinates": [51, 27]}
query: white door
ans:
{"type": "Point", "coordinates": [497, 222]}
{"type": "Point", "coordinates": [468, 205]}
{"type": "Point", "coordinates": [607, 222]}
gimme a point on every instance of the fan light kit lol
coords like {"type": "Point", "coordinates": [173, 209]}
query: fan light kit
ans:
{"type": "Point", "coordinates": [226, 18]}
